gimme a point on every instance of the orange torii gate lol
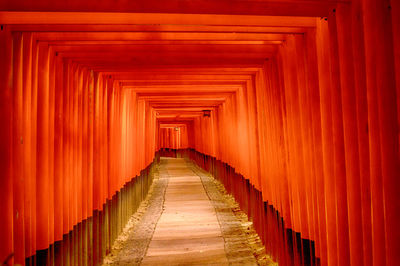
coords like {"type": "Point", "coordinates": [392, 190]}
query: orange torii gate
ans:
{"type": "Point", "coordinates": [303, 125]}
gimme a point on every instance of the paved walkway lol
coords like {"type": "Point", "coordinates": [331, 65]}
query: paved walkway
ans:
{"type": "Point", "coordinates": [188, 231]}
{"type": "Point", "coordinates": [195, 226]}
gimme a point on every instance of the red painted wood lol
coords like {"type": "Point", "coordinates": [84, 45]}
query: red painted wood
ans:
{"type": "Point", "coordinates": [43, 130]}
{"type": "Point", "coordinates": [303, 120]}
{"type": "Point", "coordinates": [17, 149]}
{"type": "Point", "coordinates": [29, 170]}
{"type": "Point", "coordinates": [6, 195]}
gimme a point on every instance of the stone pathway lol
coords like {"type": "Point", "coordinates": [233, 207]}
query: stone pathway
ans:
{"type": "Point", "coordinates": [187, 220]}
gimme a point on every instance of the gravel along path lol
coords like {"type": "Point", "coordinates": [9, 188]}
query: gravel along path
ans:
{"type": "Point", "coordinates": [187, 219]}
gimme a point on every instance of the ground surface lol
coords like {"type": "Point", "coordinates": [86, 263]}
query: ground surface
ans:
{"type": "Point", "coordinates": [187, 219]}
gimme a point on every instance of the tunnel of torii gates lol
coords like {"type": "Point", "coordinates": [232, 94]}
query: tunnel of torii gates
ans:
{"type": "Point", "coordinates": [292, 104]}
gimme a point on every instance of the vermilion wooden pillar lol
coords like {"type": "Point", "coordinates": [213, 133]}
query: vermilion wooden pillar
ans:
{"type": "Point", "coordinates": [34, 126]}
{"type": "Point", "coordinates": [317, 160]}
{"type": "Point", "coordinates": [307, 141]}
{"type": "Point", "coordinates": [51, 115]}
{"type": "Point", "coordinates": [59, 116]}
{"type": "Point", "coordinates": [349, 103]}
{"type": "Point", "coordinates": [96, 144]}
{"type": "Point", "coordinates": [17, 151]}
{"type": "Point", "coordinates": [28, 169]}
{"type": "Point", "coordinates": [6, 187]}
{"type": "Point", "coordinates": [90, 144]}
{"type": "Point", "coordinates": [66, 182]}
{"type": "Point", "coordinates": [338, 146]}
{"type": "Point", "coordinates": [327, 142]}
{"type": "Point", "coordinates": [43, 130]}
{"type": "Point", "coordinates": [362, 129]}
{"type": "Point", "coordinates": [85, 141]}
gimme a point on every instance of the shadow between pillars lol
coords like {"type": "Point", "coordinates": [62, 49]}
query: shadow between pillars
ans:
{"type": "Point", "coordinates": [91, 239]}
{"type": "Point", "coordinates": [286, 246]}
